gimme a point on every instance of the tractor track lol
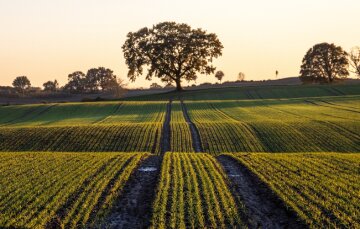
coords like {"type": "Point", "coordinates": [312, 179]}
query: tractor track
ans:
{"type": "Point", "coordinates": [263, 208]}
{"type": "Point", "coordinates": [165, 140]}
{"type": "Point", "coordinates": [196, 140]}
{"type": "Point", "coordinates": [133, 208]}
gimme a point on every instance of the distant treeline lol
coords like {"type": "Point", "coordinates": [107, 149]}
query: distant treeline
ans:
{"type": "Point", "coordinates": [96, 80]}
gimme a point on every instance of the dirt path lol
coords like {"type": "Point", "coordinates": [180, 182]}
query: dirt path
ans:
{"type": "Point", "coordinates": [134, 207]}
{"type": "Point", "coordinates": [264, 208]}
{"type": "Point", "coordinates": [165, 135]}
{"type": "Point", "coordinates": [196, 140]}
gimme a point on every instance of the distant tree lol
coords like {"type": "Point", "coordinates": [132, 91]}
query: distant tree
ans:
{"type": "Point", "coordinates": [219, 75]}
{"type": "Point", "coordinates": [355, 60]}
{"type": "Point", "coordinates": [21, 83]}
{"type": "Point", "coordinates": [241, 76]}
{"type": "Point", "coordinates": [276, 73]}
{"type": "Point", "coordinates": [51, 86]}
{"type": "Point", "coordinates": [172, 52]}
{"type": "Point", "coordinates": [92, 80]}
{"type": "Point", "coordinates": [76, 82]}
{"type": "Point", "coordinates": [324, 63]}
{"type": "Point", "coordinates": [155, 86]}
{"type": "Point", "coordinates": [117, 88]}
{"type": "Point", "coordinates": [95, 80]}
{"type": "Point", "coordinates": [100, 79]}
{"type": "Point", "coordinates": [169, 85]}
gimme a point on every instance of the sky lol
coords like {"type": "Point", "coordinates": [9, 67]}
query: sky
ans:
{"type": "Point", "coordinates": [47, 40]}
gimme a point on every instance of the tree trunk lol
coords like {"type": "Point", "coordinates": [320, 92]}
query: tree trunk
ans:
{"type": "Point", "coordinates": [178, 85]}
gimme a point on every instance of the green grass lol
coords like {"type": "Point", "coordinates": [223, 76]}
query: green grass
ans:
{"type": "Point", "coordinates": [80, 114]}
{"type": "Point", "coordinates": [68, 189]}
{"type": "Point", "coordinates": [257, 92]}
{"type": "Point", "coordinates": [85, 127]}
{"type": "Point", "coordinates": [323, 188]}
{"type": "Point", "coordinates": [228, 120]}
{"type": "Point", "coordinates": [286, 125]}
{"type": "Point", "coordinates": [120, 138]}
{"type": "Point", "coordinates": [193, 193]}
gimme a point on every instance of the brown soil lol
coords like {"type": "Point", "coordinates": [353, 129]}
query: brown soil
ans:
{"type": "Point", "coordinates": [165, 134]}
{"type": "Point", "coordinates": [196, 140]}
{"type": "Point", "coordinates": [263, 208]}
{"type": "Point", "coordinates": [134, 207]}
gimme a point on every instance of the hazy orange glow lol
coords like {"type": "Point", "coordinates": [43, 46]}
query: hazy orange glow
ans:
{"type": "Point", "coordinates": [49, 39]}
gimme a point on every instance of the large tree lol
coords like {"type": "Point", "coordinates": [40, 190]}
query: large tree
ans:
{"type": "Point", "coordinates": [21, 83]}
{"type": "Point", "coordinates": [324, 63]}
{"type": "Point", "coordinates": [355, 60]}
{"type": "Point", "coordinates": [172, 52]}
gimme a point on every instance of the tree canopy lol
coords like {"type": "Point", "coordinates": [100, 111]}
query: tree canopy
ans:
{"type": "Point", "coordinates": [21, 83]}
{"type": "Point", "coordinates": [324, 63]}
{"type": "Point", "coordinates": [155, 86]}
{"type": "Point", "coordinates": [76, 82]}
{"type": "Point", "coordinates": [219, 75]}
{"type": "Point", "coordinates": [172, 52]}
{"type": "Point", "coordinates": [96, 79]}
{"type": "Point", "coordinates": [51, 85]}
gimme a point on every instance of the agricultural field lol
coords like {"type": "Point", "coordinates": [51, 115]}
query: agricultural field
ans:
{"type": "Point", "coordinates": [85, 127]}
{"type": "Point", "coordinates": [286, 125]}
{"type": "Point", "coordinates": [80, 114]}
{"type": "Point", "coordinates": [309, 124]}
{"type": "Point", "coordinates": [323, 188]}
{"type": "Point", "coordinates": [193, 193]}
{"type": "Point", "coordinates": [256, 92]}
{"type": "Point", "coordinates": [214, 158]}
{"type": "Point", "coordinates": [69, 190]}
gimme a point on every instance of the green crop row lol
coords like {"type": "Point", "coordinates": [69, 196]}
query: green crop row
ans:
{"type": "Point", "coordinates": [69, 190]}
{"type": "Point", "coordinates": [256, 91]}
{"type": "Point", "coordinates": [323, 188]}
{"type": "Point", "coordinates": [193, 193]}
{"type": "Point", "coordinates": [75, 114]}
{"type": "Point", "coordinates": [181, 140]}
{"type": "Point", "coordinates": [278, 126]}
{"type": "Point", "coordinates": [121, 138]}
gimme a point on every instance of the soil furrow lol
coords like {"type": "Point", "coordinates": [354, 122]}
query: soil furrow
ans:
{"type": "Point", "coordinates": [134, 207]}
{"type": "Point", "coordinates": [196, 141]}
{"type": "Point", "coordinates": [264, 208]}
{"type": "Point", "coordinates": [165, 142]}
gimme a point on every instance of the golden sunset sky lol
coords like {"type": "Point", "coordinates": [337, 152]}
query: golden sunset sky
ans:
{"type": "Point", "coordinates": [48, 39]}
